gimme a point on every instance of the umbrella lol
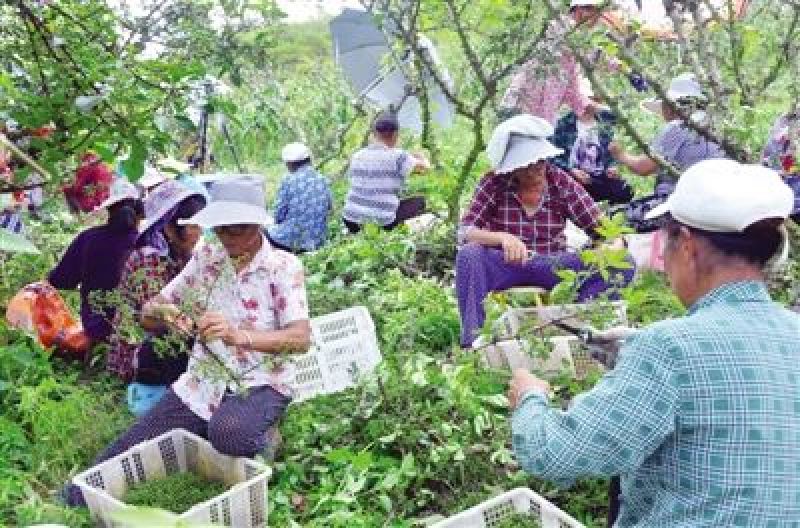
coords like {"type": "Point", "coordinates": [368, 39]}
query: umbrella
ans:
{"type": "Point", "coordinates": [362, 50]}
{"type": "Point", "coordinates": [11, 242]}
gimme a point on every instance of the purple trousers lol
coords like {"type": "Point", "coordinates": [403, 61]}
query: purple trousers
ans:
{"type": "Point", "coordinates": [481, 270]}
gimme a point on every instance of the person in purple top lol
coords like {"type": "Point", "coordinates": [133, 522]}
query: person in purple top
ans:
{"type": "Point", "coordinates": [93, 261]}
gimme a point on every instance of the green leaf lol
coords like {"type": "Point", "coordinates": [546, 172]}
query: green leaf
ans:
{"type": "Point", "coordinates": [134, 165]}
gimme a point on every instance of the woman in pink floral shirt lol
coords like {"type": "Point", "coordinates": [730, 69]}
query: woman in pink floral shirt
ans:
{"type": "Point", "coordinates": [541, 87]}
{"type": "Point", "coordinates": [247, 303]}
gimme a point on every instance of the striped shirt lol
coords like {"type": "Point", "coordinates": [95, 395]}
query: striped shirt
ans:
{"type": "Point", "coordinates": [377, 175]}
{"type": "Point", "coordinates": [682, 147]}
{"type": "Point", "coordinates": [700, 417]}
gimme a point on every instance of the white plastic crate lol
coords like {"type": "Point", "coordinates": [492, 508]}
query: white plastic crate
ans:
{"type": "Point", "coordinates": [244, 505]}
{"type": "Point", "coordinates": [566, 353]}
{"type": "Point", "coordinates": [491, 513]}
{"type": "Point", "coordinates": [344, 348]}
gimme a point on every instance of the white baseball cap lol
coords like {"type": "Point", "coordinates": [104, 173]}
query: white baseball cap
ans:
{"type": "Point", "coordinates": [588, 3]}
{"type": "Point", "coordinates": [724, 196]}
{"type": "Point", "coordinates": [520, 141]}
{"type": "Point", "coordinates": [684, 86]}
{"type": "Point", "coordinates": [295, 152]}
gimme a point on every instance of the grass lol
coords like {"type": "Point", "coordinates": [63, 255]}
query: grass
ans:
{"type": "Point", "coordinates": [176, 493]}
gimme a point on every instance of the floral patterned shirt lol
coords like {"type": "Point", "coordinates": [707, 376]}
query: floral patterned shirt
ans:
{"type": "Point", "coordinates": [267, 295]}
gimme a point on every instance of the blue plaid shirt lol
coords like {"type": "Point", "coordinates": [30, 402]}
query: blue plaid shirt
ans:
{"type": "Point", "coordinates": [301, 210]}
{"type": "Point", "coordinates": [701, 418]}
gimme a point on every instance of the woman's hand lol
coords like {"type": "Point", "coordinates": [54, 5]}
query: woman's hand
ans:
{"type": "Point", "coordinates": [514, 249]}
{"type": "Point", "coordinates": [168, 314]}
{"type": "Point", "coordinates": [523, 382]}
{"type": "Point", "coordinates": [213, 325]}
{"type": "Point", "coordinates": [581, 176]}
{"type": "Point", "coordinates": [616, 151]}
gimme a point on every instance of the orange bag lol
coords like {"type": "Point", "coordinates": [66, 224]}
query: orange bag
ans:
{"type": "Point", "coordinates": [39, 309]}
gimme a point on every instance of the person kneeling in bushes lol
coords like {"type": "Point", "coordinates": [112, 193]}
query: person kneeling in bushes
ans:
{"type": "Point", "coordinates": [246, 301]}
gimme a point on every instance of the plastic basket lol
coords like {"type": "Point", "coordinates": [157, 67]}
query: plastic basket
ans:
{"type": "Point", "coordinates": [244, 505]}
{"type": "Point", "coordinates": [491, 513]}
{"type": "Point", "coordinates": [344, 348]}
{"type": "Point", "coordinates": [567, 353]}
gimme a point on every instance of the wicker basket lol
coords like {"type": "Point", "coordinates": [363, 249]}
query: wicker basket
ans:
{"type": "Point", "coordinates": [491, 513]}
{"type": "Point", "coordinates": [244, 505]}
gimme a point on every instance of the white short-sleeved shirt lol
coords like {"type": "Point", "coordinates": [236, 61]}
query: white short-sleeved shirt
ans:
{"type": "Point", "coordinates": [267, 295]}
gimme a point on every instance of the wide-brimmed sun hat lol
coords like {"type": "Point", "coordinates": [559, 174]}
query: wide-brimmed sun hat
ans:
{"type": "Point", "coordinates": [121, 189]}
{"type": "Point", "coordinates": [684, 87]}
{"type": "Point", "coordinates": [520, 141]}
{"type": "Point", "coordinates": [163, 199]}
{"type": "Point", "coordinates": [294, 152]}
{"type": "Point", "coordinates": [724, 196]}
{"type": "Point", "coordinates": [152, 177]}
{"type": "Point", "coordinates": [234, 200]}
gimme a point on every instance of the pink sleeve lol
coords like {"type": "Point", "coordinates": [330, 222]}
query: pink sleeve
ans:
{"type": "Point", "coordinates": [572, 92]}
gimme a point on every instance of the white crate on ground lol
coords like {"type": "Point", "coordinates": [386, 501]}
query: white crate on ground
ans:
{"type": "Point", "coordinates": [567, 353]}
{"type": "Point", "coordinates": [344, 348]}
{"type": "Point", "coordinates": [244, 505]}
{"type": "Point", "coordinates": [491, 513]}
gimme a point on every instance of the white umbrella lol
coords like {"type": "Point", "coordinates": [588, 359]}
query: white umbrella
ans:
{"type": "Point", "coordinates": [362, 51]}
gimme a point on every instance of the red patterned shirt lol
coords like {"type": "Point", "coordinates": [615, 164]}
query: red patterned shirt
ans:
{"type": "Point", "coordinates": [496, 207]}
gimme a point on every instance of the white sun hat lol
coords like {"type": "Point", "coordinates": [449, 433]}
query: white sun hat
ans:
{"type": "Point", "coordinates": [234, 200]}
{"type": "Point", "coordinates": [121, 189]}
{"type": "Point", "coordinates": [152, 177]}
{"type": "Point", "coordinates": [724, 196]}
{"type": "Point", "coordinates": [295, 152]}
{"type": "Point", "coordinates": [520, 141]}
{"type": "Point", "coordinates": [684, 86]}
{"type": "Point", "coordinates": [163, 199]}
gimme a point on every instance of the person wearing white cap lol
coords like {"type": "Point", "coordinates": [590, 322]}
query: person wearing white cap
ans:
{"type": "Point", "coordinates": [162, 250]}
{"type": "Point", "coordinates": [513, 231]}
{"type": "Point", "coordinates": [302, 205]}
{"type": "Point", "coordinates": [246, 302]}
{"type": "Point", "coordinates": [701, 413]}
{"type": "Point", "coordinates": [677, 144]}
{"type": "Point", "coordinates": [93, 261]}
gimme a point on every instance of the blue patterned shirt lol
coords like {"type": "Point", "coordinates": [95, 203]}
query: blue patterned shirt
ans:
{"type": "Point", "coordinates": [301, 210]}
{"type": "Point", "coordinates": [701, 418]}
